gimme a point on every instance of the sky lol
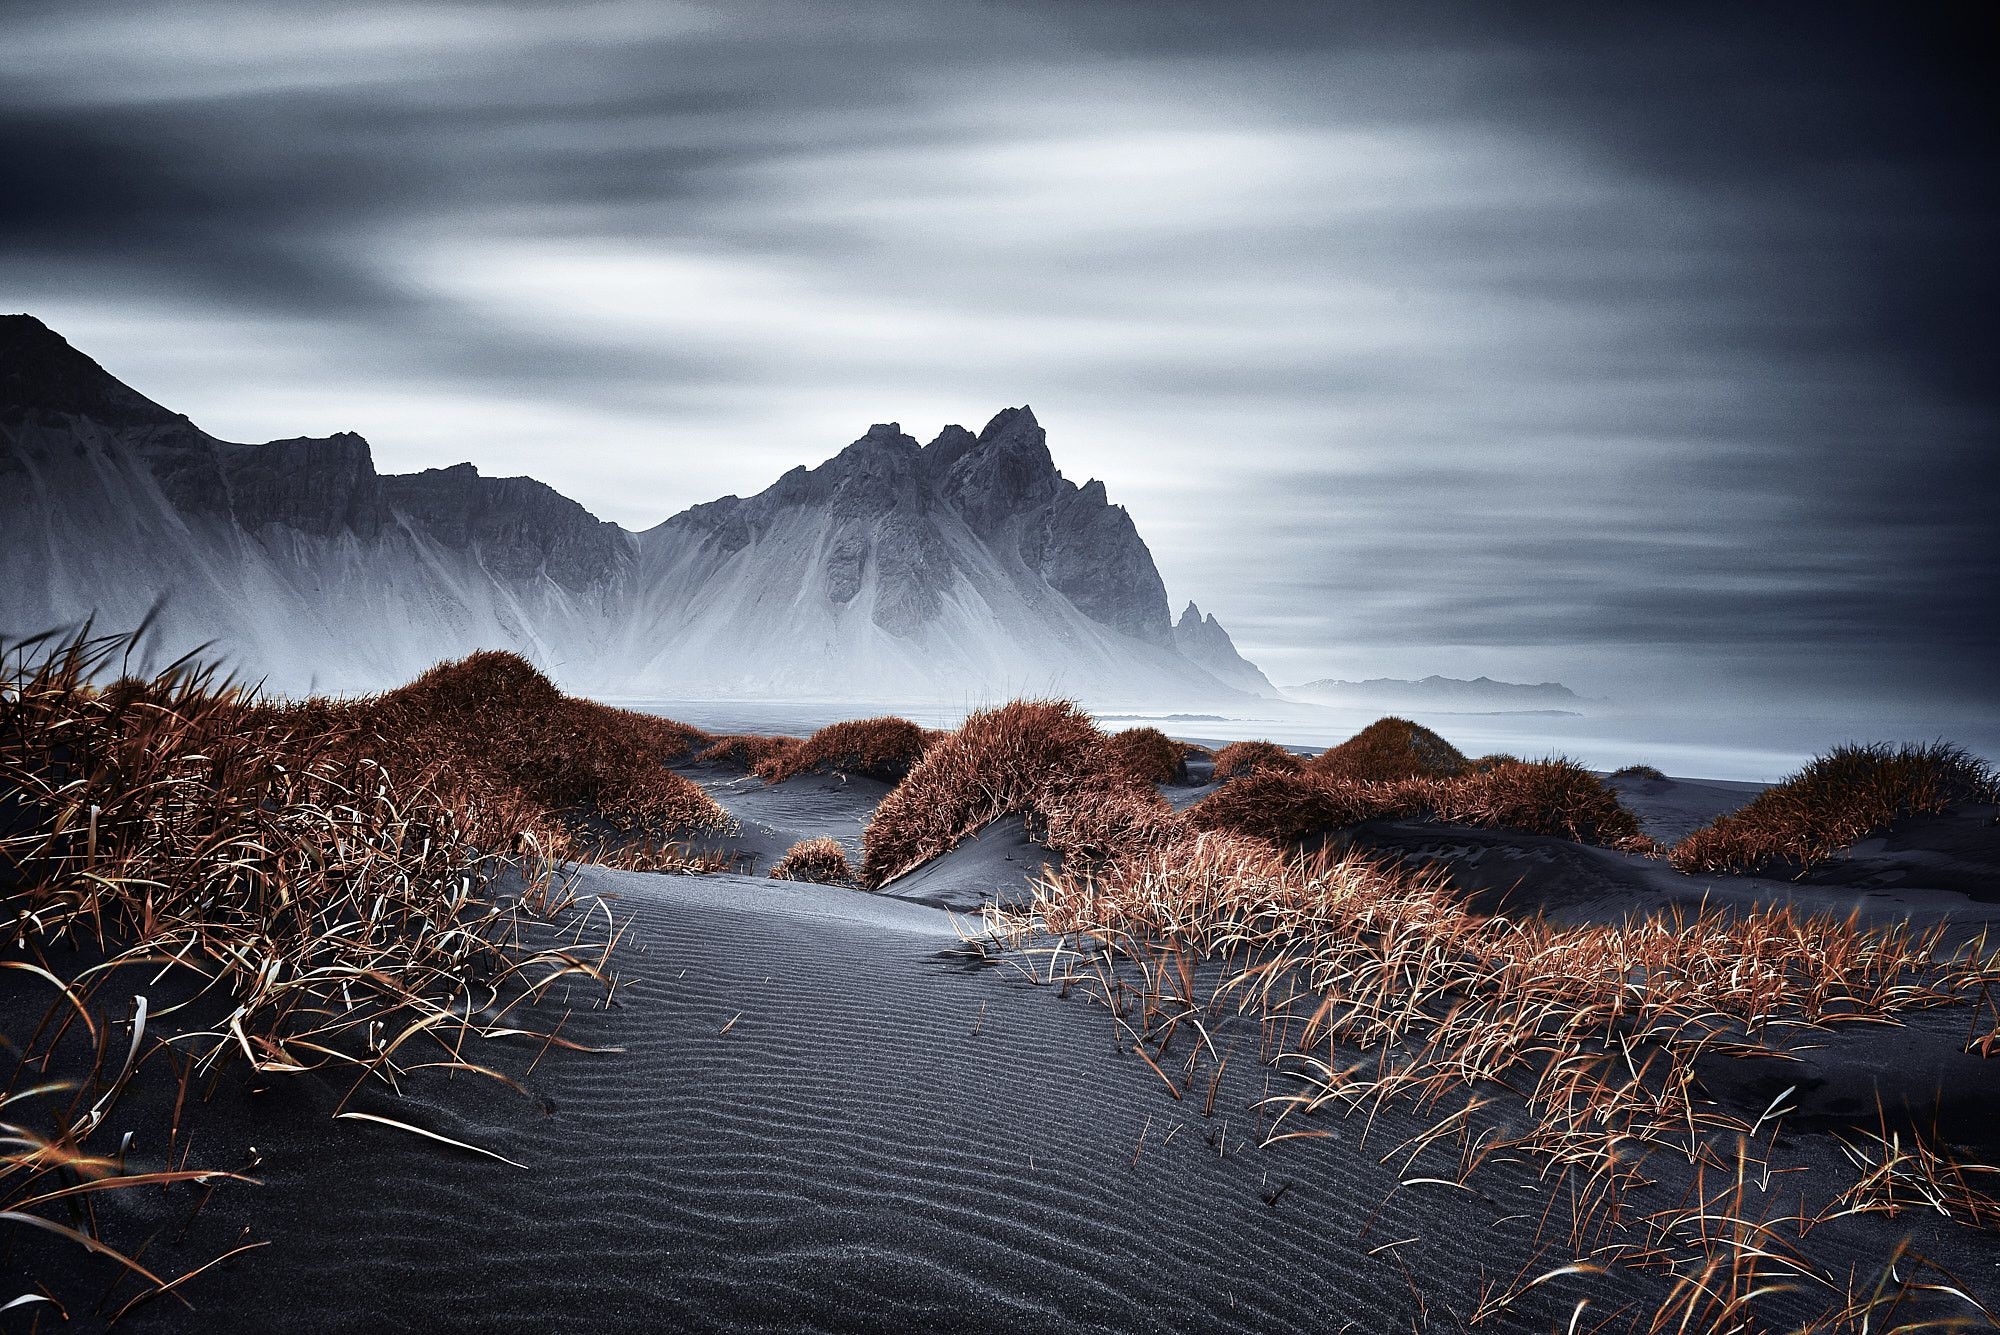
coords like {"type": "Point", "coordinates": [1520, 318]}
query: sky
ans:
{"type": "Point", "coordinates": [1646, 348]}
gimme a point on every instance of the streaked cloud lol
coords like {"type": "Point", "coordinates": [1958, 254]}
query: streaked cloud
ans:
{"type": "Point", "coordinates": [1641, 350]}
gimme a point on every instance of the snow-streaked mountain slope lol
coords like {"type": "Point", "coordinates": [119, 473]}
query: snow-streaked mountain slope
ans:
{"type": "Point", "coordinates": [963, 570]}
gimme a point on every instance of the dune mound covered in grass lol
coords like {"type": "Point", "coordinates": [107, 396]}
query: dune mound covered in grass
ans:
{"type": "Point", "coordinates": [1639, 772]}
{"type": "Point", "coordinates": [213, 892]}
{"type": "Point", "coordinates": [743, 751]}
{"type": "Point", "coordinates": [1548, 797]}
{"type": "Point", "coordinates": [1391, 748]}
{"type": "Point", "coordinates": [820, 860]}
{"type": "Point", "coordinates": [514, 750]}
{"type": "Point", "coordinates": [877, 748]}
{"type": "Point", "coordinates": [1147, 755]}
{"type": "Point", "coordinates": [1839, 799]}
{"type": "Point", "coordinates": [1079, 791]}
{"type": "Point", "coordinates": [999, 762]}
{"type": "Point", "coordinates": [1241, 758]}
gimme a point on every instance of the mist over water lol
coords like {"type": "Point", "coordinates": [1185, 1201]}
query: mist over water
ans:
{"type": "Point", "coordinates": [1760, 747]}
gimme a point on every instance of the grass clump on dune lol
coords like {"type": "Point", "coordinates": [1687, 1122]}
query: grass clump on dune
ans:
{"type": "Point", "coordinates": [1042, 760]}
{"type": "Point", "coordinates": [1638, 772]}
{"type": "Point", "coordinates": [820, 860]}
{"type": "Point", "coordinates": [205, 882]}
{"type": "Point", "coordinates": [1391, 748]}
{"type": "Point", "coordinates": [1558, 798]}
{"type": "Point", "coordinates": [516, 752]}
{"type": "Point", "coordinates": [744, 751]}
{"type": "Point", "coordinates": [998, 763]}
{"type": "Point", "coordinates": [1847, 795]}
{"type": "Point", "coordinates": [1240, 758]}
{"type": "Point", "coordinates": [1146, 755]}
{"type": "Point", "coordinates": [1554, 797]}
{"type": "Point", "coordinates": [877, 748]}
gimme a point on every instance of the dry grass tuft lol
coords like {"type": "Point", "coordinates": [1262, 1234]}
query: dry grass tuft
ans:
{"type": "Point", "coordinates": [1638, 772]}
{"type": "Point", "coordinates": [879, 748]}
{"type": "Point", "coordinates": [1847, 795]}
{"type": "Point", "coordinates": [303, 888]}
{"type": "Point", "coordinates": [998, 764]}
{"type": "Point", "coordinates": [745, 751]}
{"type": "Point", "coordinates": [1391, 748]}
{"type": "Point", "coordinates": [1243, 758]}
{"type": "Point", "coordinates": [1553, 797]}
{"type": "Point", "coordinates": [822, 861]}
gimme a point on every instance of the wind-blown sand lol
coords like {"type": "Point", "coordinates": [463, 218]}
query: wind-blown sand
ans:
{"type": "Point", "coordinates": [824, 1118]}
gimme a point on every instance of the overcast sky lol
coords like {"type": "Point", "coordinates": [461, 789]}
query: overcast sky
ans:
{"type": "Point", "coordinates": [1652, 354]}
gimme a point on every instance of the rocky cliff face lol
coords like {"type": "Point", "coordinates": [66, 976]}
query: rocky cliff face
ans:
{"type": "Point", "coordinates": [966, 567]}
{"type": "Point", "coordinates": [1202, 640]}
{"type": "Point", "coordinates": [968, 564]}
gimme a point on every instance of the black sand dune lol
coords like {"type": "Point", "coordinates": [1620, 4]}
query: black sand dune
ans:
{"type": "Point", "coordinates": [827, 1116]}
{"type": "Point", "coordinates": [773, 817]}
{"type": "Point", "coordinates": [823, 1118]}
{"type": "Point", "coordinates": [997, 865]}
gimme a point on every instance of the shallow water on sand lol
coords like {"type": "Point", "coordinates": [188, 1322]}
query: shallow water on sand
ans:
{"type": "Point", "coordinates": [1757, 747]}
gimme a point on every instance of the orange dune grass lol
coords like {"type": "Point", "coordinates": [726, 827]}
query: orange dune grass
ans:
{"type": "Point", "coordinates": [340, 887]}
{"type": "Point", "coordinates": [515, 754]}
{"type": "Point", "coordinates": [1241, 758]}
{"type": "Point", "coordinates": [1638, 772]}
{"type": "Point", "coordinates": [1391, 748]}
{"type": "Point", "coordinates": [744, 751]}
{"type": "Point", "coordinates": [1042, 760]}
{"type": "Point", "coordinates": [999, 763]}
{"type": "Point", "coordinates": [1849, 794]}
{"type": "Point", "coordinates": [879, 748]}
{"type": "Point", "coordinates": [1548, 797]}
{"type": "Point", "coordinates": [1146, 755]}
{"type": "Point", "coordinates": [820, 860]}
{"type": "Point", "coordinates": [1374, 986]}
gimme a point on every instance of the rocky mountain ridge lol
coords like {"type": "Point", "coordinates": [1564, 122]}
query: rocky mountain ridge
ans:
{"type": "Point", "coordinates": [965, 567]}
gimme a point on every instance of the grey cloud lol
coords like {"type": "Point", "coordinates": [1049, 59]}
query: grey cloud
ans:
{"type": "Point", "coordinates": [1623, 328]}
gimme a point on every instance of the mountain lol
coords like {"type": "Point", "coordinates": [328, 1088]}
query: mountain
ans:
{"type": "Point", "coordinates": [968, 568]}
{"type": "Point", "coordinates": [1203, 641]}
{"type": "Point", "coordinates": [1481, 693]}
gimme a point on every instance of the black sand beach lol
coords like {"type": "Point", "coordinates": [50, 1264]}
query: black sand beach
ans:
{"type": "Point", "coordinates": [821, 1109]}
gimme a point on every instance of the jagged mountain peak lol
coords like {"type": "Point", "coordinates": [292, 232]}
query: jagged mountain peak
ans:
{"type": "Point", "coordinates": [1014, 426]}
{"type": "Point", "coordinates": [1203, 640]}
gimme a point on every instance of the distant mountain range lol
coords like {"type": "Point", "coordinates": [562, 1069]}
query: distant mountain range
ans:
{"type": "Point", "coordinates": [1481, 693]}
{"type": "Point", "coordinates": [965, 569]}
